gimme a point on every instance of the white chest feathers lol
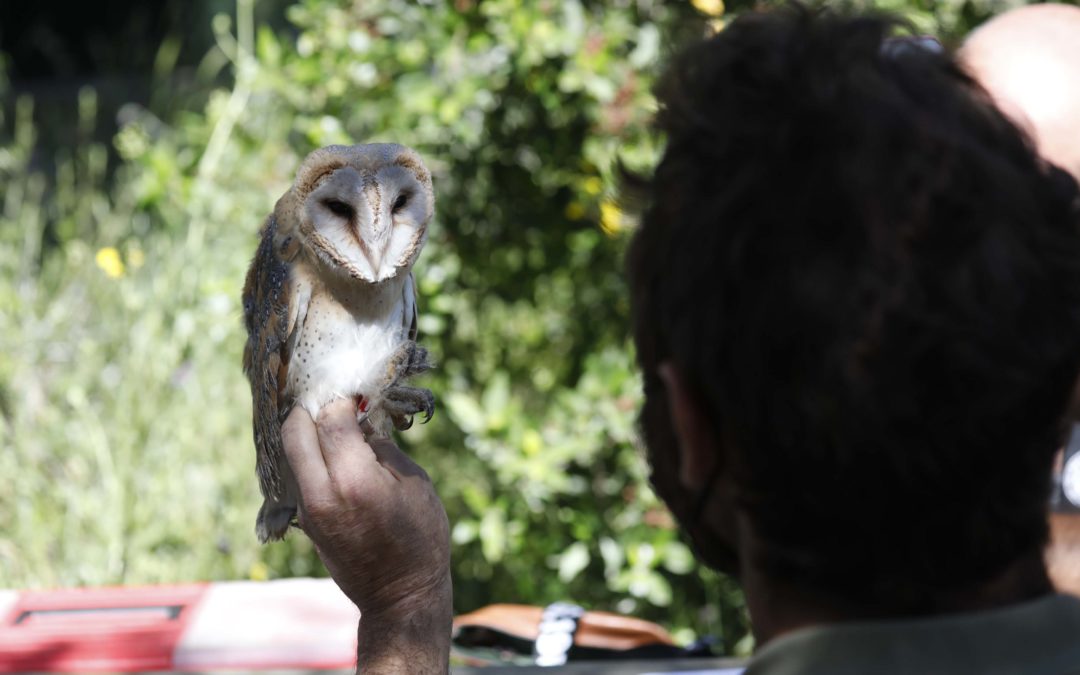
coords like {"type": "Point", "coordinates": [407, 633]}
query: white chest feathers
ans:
{"type": "Point", "coordinates": [343, 341]}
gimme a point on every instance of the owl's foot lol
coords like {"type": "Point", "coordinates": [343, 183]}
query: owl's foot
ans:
{"type": "Point", "coordinates": [401, 403]}
{"type": "Point", "coordinates": [410, 359]}
{"type": "Point", "coordinates": [397, 401]}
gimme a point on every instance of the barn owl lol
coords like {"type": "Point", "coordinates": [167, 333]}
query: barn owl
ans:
{"type": "Point", "coordinates": [330, 304]}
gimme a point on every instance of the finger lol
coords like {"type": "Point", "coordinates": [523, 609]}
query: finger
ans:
{"type": "Point", "coordinates": [400, 465]}
{"type": "Point", "coordinates": [301, 442]}
{"type": "Point", "coordinates": [346, 452]}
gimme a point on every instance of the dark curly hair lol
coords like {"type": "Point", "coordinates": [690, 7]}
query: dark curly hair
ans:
{"type": "Point", "coordinates": [872, 285]}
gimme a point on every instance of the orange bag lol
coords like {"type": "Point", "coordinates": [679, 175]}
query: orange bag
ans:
{"type": "Point", "coordinates": [559, 633]}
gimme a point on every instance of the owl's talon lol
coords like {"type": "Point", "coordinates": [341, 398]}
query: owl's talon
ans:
{"type": "Point", "coordinates": [402, 403]}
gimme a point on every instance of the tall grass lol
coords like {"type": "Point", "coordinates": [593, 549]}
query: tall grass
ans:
{"type": "Point", "coordinates": [126, 451]}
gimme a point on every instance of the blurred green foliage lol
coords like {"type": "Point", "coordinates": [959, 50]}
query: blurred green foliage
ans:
{"type": "Point", "coordinates": [124, 417]}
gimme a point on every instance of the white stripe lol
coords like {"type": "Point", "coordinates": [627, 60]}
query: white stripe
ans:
{"type": "Point", "coordinates": [280, 624]}
{"type": "Point", "coordinates": [7, 602]}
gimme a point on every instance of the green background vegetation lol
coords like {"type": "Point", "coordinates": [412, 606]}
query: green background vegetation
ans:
{"type": "Point", "coordinates": [125, 441]}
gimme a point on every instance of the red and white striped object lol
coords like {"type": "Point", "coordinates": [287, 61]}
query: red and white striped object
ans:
{"type": "Point", "coordinates": [291, 623]}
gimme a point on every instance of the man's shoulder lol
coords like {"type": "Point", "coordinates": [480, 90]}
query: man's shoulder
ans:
{"type": "Point", "coordinates": [1037, 637]}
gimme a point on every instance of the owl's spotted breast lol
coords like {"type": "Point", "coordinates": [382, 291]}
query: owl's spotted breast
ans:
{"type": "Point", "coordinates": [344, 341]}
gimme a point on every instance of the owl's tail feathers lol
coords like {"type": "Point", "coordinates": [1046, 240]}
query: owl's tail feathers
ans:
{"type": "Point", "coordinates": [273, 520]}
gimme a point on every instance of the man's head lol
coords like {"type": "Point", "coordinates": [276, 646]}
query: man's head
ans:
{"type": "Point", "coordinates": [856, 298]}
{"type": "Point", "coordinates": [1029, 61]}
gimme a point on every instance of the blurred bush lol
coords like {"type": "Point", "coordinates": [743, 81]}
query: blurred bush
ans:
{"type": "Point", "coordinates": [124, 417]}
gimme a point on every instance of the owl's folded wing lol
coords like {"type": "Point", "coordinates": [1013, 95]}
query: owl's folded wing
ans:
{"type": "Point", "coordinates": [409, 315]}
{"type": "Point", "coordinates": [269, 318]}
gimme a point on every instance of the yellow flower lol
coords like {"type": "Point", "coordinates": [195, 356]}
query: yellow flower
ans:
{"type": "Point", "coordinates": [108, 259]}
{"type": "Point", "coordinates": [259, 571]}
{"type": "Point", "coordinates": [611, 218]}
{"type": "Point", "coordinates": [709, 7]}
{"type": "Point", "coordinates": [716, 25]}
{"type": "Point", "coordinates": [574, 211]}
{"type": "Point", "coordinates": [592, 185]}
{"type": "Point", "coordinates": [531, 442]}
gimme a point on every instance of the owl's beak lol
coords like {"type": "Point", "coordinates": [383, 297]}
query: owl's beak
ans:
{"type": "Point", "coordinates": [375, 256]}
{"type": "Point", "coordinates": [373, 229]}
{"type": "Point", "coordinates": [370, 245]}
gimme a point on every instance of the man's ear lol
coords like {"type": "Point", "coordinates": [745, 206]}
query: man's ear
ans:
{"type": "Point", "coordinates": [698, 450]}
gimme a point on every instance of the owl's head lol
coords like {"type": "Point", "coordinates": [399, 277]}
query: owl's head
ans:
{"type": "Point", "coordinates": [362, 209]}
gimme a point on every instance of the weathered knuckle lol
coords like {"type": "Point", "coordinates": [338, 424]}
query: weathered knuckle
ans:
{"type": "Point", "coordinates": [317, 511]}
{"type": "Point", "coordinates": [353, 495]}
{"type": "Point", "coordinates": [333, 433]}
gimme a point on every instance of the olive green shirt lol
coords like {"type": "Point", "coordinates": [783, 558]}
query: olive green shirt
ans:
{"type": "Point", "coordinates": [1041, 637]}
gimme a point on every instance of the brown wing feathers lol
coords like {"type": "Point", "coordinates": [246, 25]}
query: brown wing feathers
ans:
{"type": "Point", "coordinates": [266, 358]}
{"type": "Point", "coordinates": [410, 307]}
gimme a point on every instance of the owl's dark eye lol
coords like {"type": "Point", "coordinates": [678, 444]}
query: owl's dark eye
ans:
{"type": "Point", "coordinates": [339, 208]}
{"type": "Point", "coordinates": [400, 202]}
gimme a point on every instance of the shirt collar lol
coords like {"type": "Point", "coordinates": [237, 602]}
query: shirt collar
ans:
{"type": "Point", "coordinates": [1040, 636]}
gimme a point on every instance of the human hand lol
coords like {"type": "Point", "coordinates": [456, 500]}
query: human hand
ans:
{"type": "Point", "coordinates": [382, 533]}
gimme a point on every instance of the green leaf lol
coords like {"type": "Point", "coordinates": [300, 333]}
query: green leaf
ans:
{"type": "Point", "coordinates": [493, 535]}
{"type": "Point", "coordinates": [466, 412]}
{"type": "Point", "coordinates": [267, 47]}
{"type": "Point", "coordinates": [464, 531]}
{"type": "Point", "coordinates": [572, 561]}
{"type": "Point", "coordinates": [678, 559]}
